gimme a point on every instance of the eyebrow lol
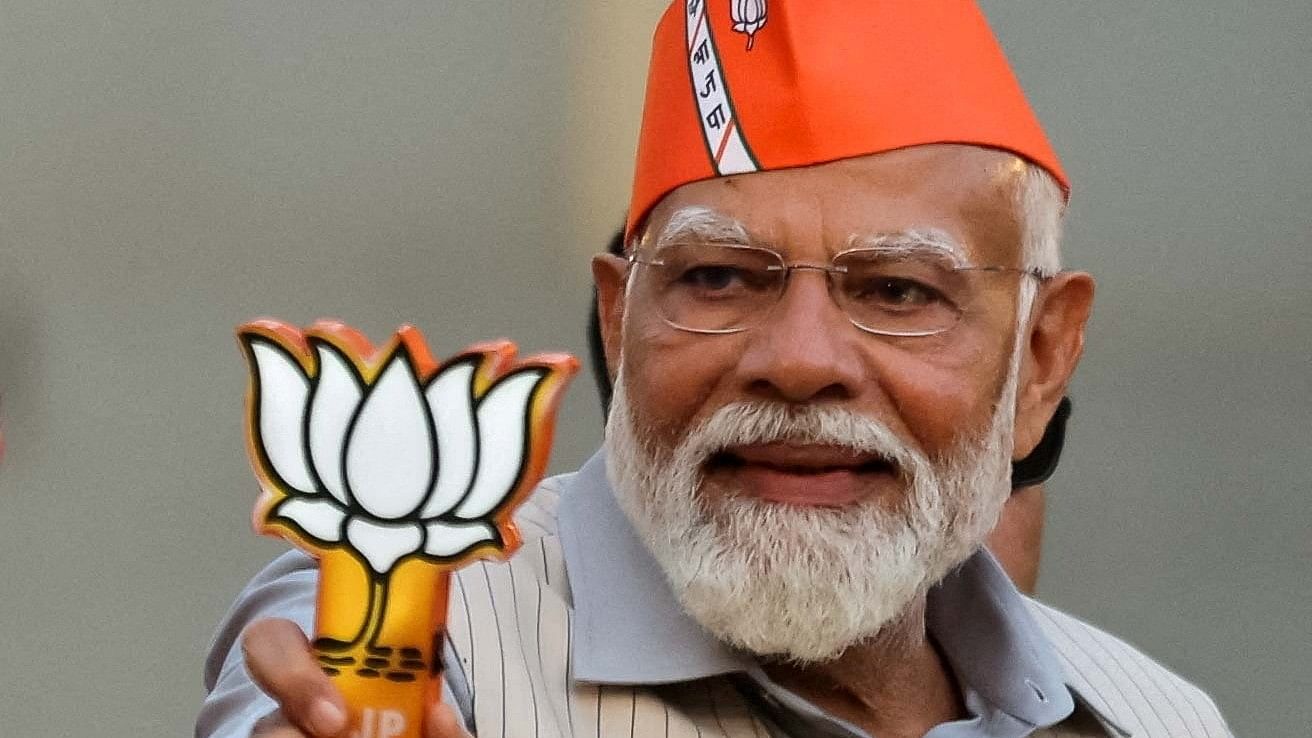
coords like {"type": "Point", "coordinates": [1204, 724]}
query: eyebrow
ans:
{"type": "Point", "coordinates": [699, 223]}
{"type": "Point", "coordinates": [916, 242]}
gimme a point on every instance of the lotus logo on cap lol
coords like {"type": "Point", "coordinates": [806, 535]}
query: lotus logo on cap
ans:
{"type": "Point", "coordinates": [748, 17]}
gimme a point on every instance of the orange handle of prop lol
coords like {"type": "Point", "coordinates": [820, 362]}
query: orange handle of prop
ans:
{"type": "Point", "coordinates": [381, 642]}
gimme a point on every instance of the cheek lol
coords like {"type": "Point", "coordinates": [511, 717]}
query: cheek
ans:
{"type": "Point", "coordinates": [672, 375]}
{"type": "Point", "coordinates": [944, 392]}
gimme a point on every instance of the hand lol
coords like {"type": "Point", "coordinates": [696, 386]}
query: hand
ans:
{"type": "Point", "coordinates": [280, 660]}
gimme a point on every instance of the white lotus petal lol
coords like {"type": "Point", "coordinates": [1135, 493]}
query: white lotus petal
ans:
{"type": "Point", "coordinates": [382, 544]}
{"type": "Point", "coordinates": [282, 391]}
{"type": "Point", "coordinates": [450, 399]}
{"type": "Point", "coordinates": [450, 539]}
{"type": "Point", "coordinates": [502, 441]}
{"type": "Point", "coordinates": [336, 396]}
{"type": "Point", "coordinates": [389, 453]}
{"type": "Point", "coordinates": [319, 517]}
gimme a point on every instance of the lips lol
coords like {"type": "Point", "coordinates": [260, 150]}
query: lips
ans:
{"type": "Point", "coordinates": [803, 475]}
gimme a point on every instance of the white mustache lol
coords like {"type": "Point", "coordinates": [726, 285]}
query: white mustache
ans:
{"type": "Point", "coordinates": [750, 423]}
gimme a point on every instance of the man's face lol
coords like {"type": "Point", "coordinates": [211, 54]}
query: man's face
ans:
{"type": "Point", "coordinates": [928, 390]}
{"type": "Point", "coordinates": [806, 462]}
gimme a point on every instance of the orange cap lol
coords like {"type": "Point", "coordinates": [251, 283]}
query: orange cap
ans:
{"type": "Point", "coordinates": [738, 86]}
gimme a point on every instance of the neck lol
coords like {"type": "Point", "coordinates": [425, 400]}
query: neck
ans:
{"type": "Point", "coordinates": [894, 684]}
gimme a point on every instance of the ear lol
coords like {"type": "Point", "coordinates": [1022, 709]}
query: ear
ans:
{"type": "Point", "coordinates": [610, 273]}
{"type": "Point", "coordinates": [1054, 344]}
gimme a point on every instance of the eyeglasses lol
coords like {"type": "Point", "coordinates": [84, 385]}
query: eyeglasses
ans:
{"type": "Point", "coordinates": [728, 288]}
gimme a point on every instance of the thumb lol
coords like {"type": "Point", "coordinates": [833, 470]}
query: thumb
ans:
{"type": "Point", "coordinates": [280, 661]}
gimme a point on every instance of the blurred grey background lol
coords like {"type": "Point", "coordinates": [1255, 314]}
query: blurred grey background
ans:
{"type": "Point", "coordinates": [170, 169]}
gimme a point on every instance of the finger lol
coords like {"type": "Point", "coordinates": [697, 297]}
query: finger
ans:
{"type": "Point", "coordinates": [279, 659]}
{"type": "Point", "coordinates": [444, 723]}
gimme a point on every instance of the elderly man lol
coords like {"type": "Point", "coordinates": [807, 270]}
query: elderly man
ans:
{"type": "Point", "coordinates": [840, 318]}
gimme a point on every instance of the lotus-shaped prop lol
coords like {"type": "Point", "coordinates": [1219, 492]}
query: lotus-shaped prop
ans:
{"type": "Point", "coordinates": [388, 454]}
{"type": "Point", "coordinates": [392, 469]}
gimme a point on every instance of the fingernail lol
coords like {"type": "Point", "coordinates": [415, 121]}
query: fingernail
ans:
{"type": "Point", "coordinates": [327, 718]}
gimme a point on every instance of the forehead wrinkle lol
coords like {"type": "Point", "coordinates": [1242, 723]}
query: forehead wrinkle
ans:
{"type": "Point", "coordinates": [699, 223]}
{"type": "Point", "coordinates": [913, 242]}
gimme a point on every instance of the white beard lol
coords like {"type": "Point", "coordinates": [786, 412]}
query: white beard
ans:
{"type": "Point", "coordinates": [806, 583]}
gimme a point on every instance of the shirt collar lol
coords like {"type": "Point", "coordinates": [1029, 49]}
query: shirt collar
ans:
{"type": "Point", "coordinates": [630, 629]}
{"type": "Point", "coordinates": [993, 643]}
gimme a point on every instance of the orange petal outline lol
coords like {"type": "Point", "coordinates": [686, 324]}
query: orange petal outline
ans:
{"type": "Point", "coordinates": [495, 360]}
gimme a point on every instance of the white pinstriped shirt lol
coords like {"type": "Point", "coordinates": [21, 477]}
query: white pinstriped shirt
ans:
{"type": "Point", "coordinates": [579, 636]}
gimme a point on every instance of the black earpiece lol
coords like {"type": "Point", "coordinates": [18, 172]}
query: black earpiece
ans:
{"type": "Point", "coordinates": [1042, 461]}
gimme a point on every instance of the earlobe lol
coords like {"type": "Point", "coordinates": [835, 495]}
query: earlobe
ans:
{"type": "Point", "coordinates": [610, 273]}
{"type": "Point", "coordinates": [1055, 343]}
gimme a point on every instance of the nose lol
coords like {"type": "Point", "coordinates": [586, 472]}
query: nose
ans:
{"type": "Point", "coordinates": [805, 350]}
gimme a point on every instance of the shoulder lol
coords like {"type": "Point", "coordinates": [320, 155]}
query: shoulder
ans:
{"type": "Point", "coordinates": [1126, 686]}
{"type": "Point", "coordinates": [536, 518]}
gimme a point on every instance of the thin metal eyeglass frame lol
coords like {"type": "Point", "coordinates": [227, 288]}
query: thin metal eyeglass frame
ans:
{"type": "Point", "coordinates": [828, 269]}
